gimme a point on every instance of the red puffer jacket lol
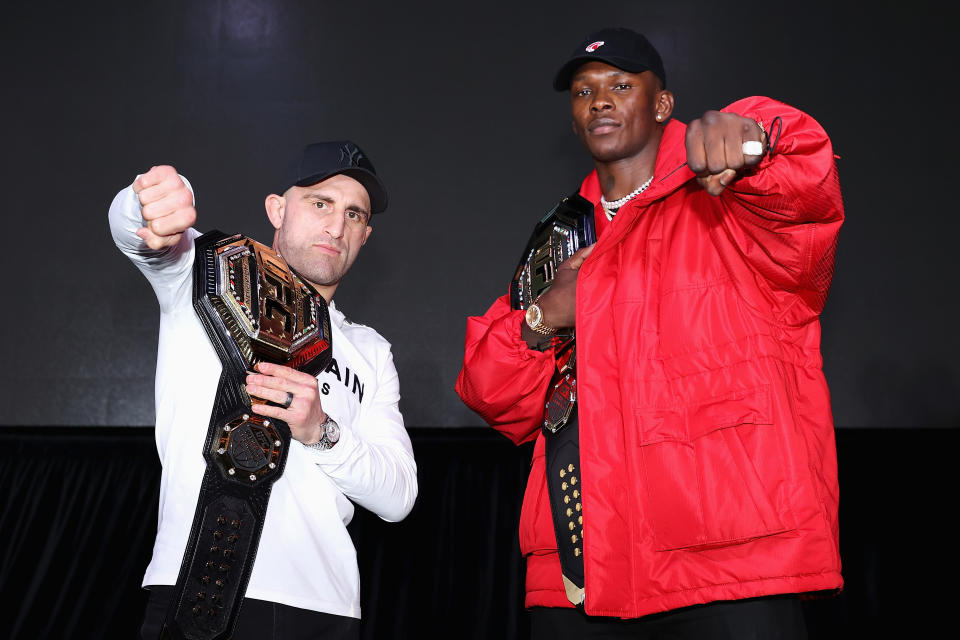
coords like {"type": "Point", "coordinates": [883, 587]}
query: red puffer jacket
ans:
{"type": "Point", "coordinates": [707, 447]}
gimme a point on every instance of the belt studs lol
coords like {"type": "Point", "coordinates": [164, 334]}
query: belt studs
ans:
{"type": "Point", "coordinates": [577, 507]}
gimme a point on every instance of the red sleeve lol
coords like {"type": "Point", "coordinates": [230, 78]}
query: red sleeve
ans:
{"type": "Point", "coordinates": [798, 181]}
{"type": "Point", "coordinates": [502, 379]}
{"type": "Point", "coordinates": [785, 214]}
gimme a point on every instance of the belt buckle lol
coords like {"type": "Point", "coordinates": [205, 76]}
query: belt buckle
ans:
{"type": "Point", "coordinates": [561, 400]}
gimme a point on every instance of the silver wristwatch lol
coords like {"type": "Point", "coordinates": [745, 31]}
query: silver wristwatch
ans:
{"type": "Point", "coordinates": [331, 434]}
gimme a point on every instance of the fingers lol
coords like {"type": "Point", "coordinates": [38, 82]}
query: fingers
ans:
{"type": "Point", "coordinates": [275, 389]}
{"type": "Point", "coordinates": [154, 241]}
{"type": "Point", "coordinates": [715, 184]}
{"type": "Point", "coordinates": [280, 371]}
{"type": "Point", "coordinates": [715, 148]}
{"type": "Point", "coordinates": [574, 261]}
{"type": "Point", "coordinates": [304, 414]}
{"type": "Point", "coordinates": [742, 130]}
{"type": "Point", "coordinates": [166, 206]}
{"type": "Point", "coordinates": [712, 146]}
{"type": "Point", "coordinates": [155, 176]}
{"type": "Point", "coordinates": [271, 411]}
{"type": "Point", "coordinates": [165, 231]}
{"type": "Point", "coordinates": [160, 199]}
{"type": "Point", "coordinates": [173, 223]}
{"type": "Point", "coordinates": [262, 392]}
{"type": "Point", "coordinates": [696, 150]}
{"type": "Point", "coordinates": [159, 195]}
{"type": "Point", "coordinates": [274, 381]}
{"type": "Point", "coordinates": [714, 143]}
{"type": "Point", "coordinates": [558, 304]}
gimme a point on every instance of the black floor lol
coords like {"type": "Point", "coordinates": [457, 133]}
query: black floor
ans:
{"type": "Point", "coordinates": [79, 513]}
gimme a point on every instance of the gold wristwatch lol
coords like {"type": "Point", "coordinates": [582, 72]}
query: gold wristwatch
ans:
{"type": "Point", "coordinates": [534, 319]}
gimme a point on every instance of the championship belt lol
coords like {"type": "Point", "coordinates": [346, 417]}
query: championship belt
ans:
{"type": "Point", "coordinates": [565, 229]}
{"type": "Point", "coordinates": [254, 309]}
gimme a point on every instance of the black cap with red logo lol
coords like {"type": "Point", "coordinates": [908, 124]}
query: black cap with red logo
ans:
{"type": "Point", "coordinates": [622, 48]}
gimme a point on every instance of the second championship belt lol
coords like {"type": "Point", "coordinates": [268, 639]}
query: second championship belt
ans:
{"type": "Point", "coordinates": [567, 228]}
{"type": "Point", "coordinates": [254, 309]}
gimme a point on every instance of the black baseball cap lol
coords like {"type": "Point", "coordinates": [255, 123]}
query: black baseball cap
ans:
{"type": "Point", "coordinates": [321, 160]}
{"type": "Point", "coordinates": [622, 48]}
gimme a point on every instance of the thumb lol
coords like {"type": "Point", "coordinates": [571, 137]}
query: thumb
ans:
{"type": "Point", "coordinates": [715, 184]}
{"type": "Point", "coordinates": [146, 179]}
{"type": "Point", "coordinates": [155, 241]}
{"type": "Point", "coordinates": [577, 258]}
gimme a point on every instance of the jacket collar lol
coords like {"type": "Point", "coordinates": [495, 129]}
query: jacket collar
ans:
{"type": "Point", "coordinates": [670, 173]}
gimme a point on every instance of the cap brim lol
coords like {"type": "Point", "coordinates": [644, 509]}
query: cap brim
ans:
{"type": "Point", "coordinates": [375, 189]}
{"type": "Point", "coordinates": [561, 82]}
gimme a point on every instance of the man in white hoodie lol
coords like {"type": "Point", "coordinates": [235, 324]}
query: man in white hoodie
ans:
{"type": "Point", "coordinates": [349, 442]}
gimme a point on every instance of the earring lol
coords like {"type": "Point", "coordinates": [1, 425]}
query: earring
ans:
{"type": "Point", "coordinates": [659, 117]}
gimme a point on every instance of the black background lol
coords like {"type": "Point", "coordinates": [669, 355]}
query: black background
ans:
{"type": "Point", "coordinates": [454, 105]}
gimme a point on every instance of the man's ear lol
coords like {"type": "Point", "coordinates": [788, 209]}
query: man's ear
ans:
{"type": "Point", "coordinates": [276, 208]}
{"type": "Point", "coordinates": [664, 105]}
{"type": "Point", "coordinates": [366, 236]}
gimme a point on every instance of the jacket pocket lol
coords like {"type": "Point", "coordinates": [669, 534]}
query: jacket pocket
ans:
{"type": "Point", "coordinates": [536, 522]}
{"type": "Point", "coordinates": [710, 472]}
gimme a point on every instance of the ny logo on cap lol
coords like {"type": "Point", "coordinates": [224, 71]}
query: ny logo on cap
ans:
{"type": "Point", "coordinates": [593, 46]}
{"type": "Point", "coordinates": [351, 155]}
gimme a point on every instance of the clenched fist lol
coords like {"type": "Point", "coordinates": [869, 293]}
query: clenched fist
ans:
{"type": "Point", "coordinates": [715, 148]}
{"type": "Point", "coordinates": [167, 206]}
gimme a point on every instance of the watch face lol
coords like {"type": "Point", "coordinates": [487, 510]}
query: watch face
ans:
{"type": "Point", "coordinates": [534, 316]}
{"type": "Point", "coordinates": [332, 431]}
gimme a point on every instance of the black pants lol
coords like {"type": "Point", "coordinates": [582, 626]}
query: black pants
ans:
{"type": "Point", "coordinates": [260, 620]}
{"type": "Point", "coordinates": [773, 618]}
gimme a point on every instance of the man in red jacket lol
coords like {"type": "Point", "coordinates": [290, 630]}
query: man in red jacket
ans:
{"type": "Point", "coordinates": [706, 487]}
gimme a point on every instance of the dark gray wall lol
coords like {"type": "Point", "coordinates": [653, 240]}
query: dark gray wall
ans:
{"type": "Point", "coordinates": [455, 107]}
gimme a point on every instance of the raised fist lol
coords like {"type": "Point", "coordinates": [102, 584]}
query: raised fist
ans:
{"type": "Point", "coordinates": [167, 206]}
{"type": "Point", "coordinates": [719, 145]}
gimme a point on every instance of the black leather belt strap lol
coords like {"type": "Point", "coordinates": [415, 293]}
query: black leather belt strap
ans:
{"type": "Point", "coordinates": [253, 309]}
{"type": "Point", "coordinates": [228, 520]}
{"type": "Point", "coordinates": [562, 446]}
{"type": "Point", "coordinates": [563, 486]}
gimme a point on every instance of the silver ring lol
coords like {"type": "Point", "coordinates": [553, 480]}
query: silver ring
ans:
{"type": "Point", "coordinates": [752, 148]}
{"type": "Point", "coordinates": [288, 401]}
